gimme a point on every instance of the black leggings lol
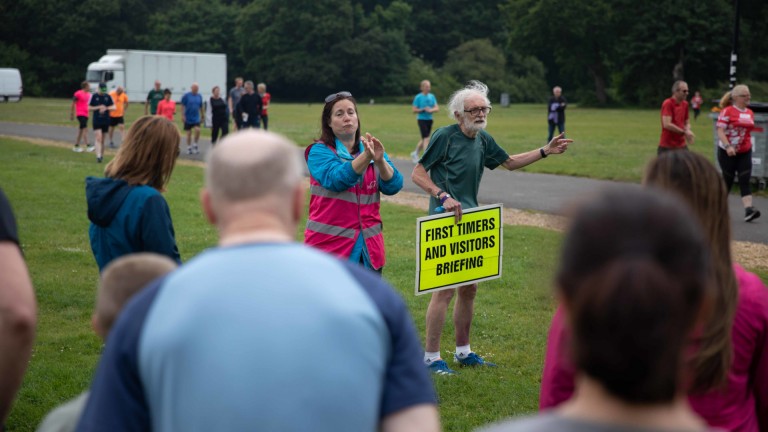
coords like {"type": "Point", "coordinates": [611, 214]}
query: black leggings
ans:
{"type": "Point", "coordinates": [222, 125]}
{"type": "Point", "coordinates": [731, 165]}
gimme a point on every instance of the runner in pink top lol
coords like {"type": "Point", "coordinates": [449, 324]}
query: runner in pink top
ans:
{"type": "Point", "coordinates": [80, 107]}
{"type": "Point", "coordinates": [742, 403]}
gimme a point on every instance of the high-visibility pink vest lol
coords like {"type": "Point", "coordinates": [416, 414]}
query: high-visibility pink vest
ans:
{"type": "Point", "coordinates": [337, 218]}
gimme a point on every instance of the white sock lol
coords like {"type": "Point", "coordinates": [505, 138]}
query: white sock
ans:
{"type": "Point", "coordinates": [429, 357]}
{"type": "Point", "coordinates": [463, 351]}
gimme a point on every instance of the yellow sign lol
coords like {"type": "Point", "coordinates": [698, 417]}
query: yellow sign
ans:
{"type": "Point", "coordinates": [449, 255]}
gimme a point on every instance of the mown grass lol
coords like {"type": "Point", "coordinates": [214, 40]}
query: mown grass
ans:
{"type": "Point", "coordinates": [612, 144]}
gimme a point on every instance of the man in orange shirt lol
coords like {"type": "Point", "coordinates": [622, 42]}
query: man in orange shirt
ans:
{"type": "Point", "coordinates": [116, 116]}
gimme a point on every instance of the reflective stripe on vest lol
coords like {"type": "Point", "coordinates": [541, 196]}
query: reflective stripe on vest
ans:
{"type": "Point", "coordinates": [333, 226]}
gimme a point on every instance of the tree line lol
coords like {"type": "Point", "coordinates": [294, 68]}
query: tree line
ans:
{"type": "Point", "coordinates": [600, 51]}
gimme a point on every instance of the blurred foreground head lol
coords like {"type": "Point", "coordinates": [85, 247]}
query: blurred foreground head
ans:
{"type": "Point", "coordinates": [695, 181]}
{"type": "Point", "coordinates": [633, 279]}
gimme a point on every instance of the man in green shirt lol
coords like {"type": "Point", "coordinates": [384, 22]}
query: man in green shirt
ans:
{"type": "Point", "coordinates": [153, 98]}
{"type": "Point", "coordinates": [450, 172]}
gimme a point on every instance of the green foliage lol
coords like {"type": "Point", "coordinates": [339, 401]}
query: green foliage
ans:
{"type": "Point", "coordinates": [192, 25]}
{"type": "Point", "coordinates": [443, 84]}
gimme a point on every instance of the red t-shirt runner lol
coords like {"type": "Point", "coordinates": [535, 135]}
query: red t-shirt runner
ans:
{"type": "Point", "coordinates": [679, 114]}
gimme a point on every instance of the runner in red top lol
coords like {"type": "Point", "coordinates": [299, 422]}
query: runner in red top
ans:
{"type": "Point", "coordinates": [734, 151]}
{"type": "Point", "coordinates": [696, 102]}
{"type": "Point", "coordinates": [676, 131]}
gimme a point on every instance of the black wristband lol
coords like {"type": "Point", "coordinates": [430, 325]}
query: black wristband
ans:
{"type": "Point", "coordinates": [543, 155]}
{"type": "Point", "coordinates": [439, 191]}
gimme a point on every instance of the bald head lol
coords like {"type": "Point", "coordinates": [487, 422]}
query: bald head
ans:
{"type": "Point", "coordinates": [251, 165]}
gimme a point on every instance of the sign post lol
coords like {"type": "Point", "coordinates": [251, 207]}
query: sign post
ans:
{"type": "Point", "coordinates": [449, 255]}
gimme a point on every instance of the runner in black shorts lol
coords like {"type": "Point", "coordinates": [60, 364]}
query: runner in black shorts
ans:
{"type": "Point", "coordinates": [425, 126]}
{"type": "Point", "coordinates": [114, 121]}
{"type": "Point", "coordinates": [189, 126]}
{"type": "Point", "coordinates": [83, 120]}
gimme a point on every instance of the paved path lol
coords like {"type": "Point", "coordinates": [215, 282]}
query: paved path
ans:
{"type": "Point", "coordinates": [538, 192]}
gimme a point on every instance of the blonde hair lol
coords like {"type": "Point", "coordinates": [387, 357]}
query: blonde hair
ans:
{"type": "Point", "coordinates": [124, 277]}
{"type": "Point", "coordinates": [148, 154]}
{"type": "Point", "coordinates": [727, 99]}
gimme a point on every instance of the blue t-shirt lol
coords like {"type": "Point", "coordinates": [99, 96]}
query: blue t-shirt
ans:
{"type": "Point", "coordinates": [101, 99]}
{"type": "Point", "coordinates": [260, 336]}
{"type": "Point", "coordinates": [424, 101]}
{"type": "Point", "coordinates": [192, 104]}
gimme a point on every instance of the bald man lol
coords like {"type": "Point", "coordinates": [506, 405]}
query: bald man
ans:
{"type": "Point", "coordinates": [262, 331]}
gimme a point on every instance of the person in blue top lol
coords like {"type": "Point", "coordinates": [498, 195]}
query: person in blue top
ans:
{"type": "Point", "coordinates": [101, 104]}
{"type": "Point", "coordinates": [126, 208]}
{"type": "Point", "coordinates": [348, 172]}
{"type": "Point", "coordinates": [192, 112]}
{"type": "Point", "coordinates": [424, 105]}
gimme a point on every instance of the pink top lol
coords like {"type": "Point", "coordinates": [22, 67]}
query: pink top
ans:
{"type": "Point", "coordinates": [742, 406]}
{"type": "Point", "coordinates": [81, 99]}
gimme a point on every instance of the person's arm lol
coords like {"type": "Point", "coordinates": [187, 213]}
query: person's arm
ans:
{"type": "Point", "coordinates": [558, 375]}
{"type": "Point", "coordinates": [421, 178]}
{"type": "Point", "coordinates": [556, 146]}
{"type": "Point", "coordinates": [435, 108]}
{"type": "Point", "coordinates": [202, 109]}
{"type": "Point", "coordinates": [666, 123]}
{"type": "Point", "coordinates": [146, 105]}
{"type": "Point", "coordinates": [395, 183]}
{"type": "Point", "coordinates": [72, 109]}
{"type": "Point", "coordinates": [689, 136]}
{"type": "Point", "coordinates": [18, 315]}
{"type": "Point", "coordinates": [125, 106]}
{"type": "Point", "coordinates": [331, 172]}
{"type": "Point", "coordinates": [374, 147]}
{"type": "Point", "coordinates": [229, 102]}
{"type": "Point", "coordinates": [414, 419]}
{"type": "Point", "coordinates": [729, 149]}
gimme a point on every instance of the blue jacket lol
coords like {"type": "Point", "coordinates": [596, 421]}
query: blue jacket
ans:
{"type": "Point", "coordinates": [127, 219]}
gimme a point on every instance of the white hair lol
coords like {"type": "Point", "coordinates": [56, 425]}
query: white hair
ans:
{"type": "Point", "coordinates": [456, 102]}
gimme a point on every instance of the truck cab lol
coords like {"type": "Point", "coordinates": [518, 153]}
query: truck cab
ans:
{"type": "Point", "coordinates": [109, 69]}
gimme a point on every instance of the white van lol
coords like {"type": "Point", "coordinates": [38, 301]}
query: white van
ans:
{"type": "Point", "coordinates": [10, 85]}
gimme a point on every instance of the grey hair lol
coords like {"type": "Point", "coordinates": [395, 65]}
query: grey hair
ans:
{"type": "Point", "coordinates": [677, 85]}
{"type": "Point", "coordinates": [248, 83]}
{"type": "Point", "coordinates": [456, 102]}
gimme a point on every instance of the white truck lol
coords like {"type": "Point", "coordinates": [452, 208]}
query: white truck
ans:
{"type": "Point", "coordinates": [136, 71]}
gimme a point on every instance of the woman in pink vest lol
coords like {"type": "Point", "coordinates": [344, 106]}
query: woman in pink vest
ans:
{"type": "Point", "coordinates": [728, 371]}
{"type": "Point", "coordinates": [348, 172]}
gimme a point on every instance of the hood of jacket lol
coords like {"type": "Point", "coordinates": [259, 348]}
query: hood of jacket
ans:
{"type": "Point", "coordinates": [105, 196]}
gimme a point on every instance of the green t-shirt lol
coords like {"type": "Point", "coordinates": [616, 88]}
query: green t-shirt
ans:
{"type": "Point", "coordinates": [154, 97]}
{"type": "Point", "coordinates": [455, 163]}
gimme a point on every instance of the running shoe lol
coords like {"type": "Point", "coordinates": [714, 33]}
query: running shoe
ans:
{"type": "Point", "coordinates": [472, 360]}
{"type": "Point", "coordinates": [90, 148]}
{"type": "Point", "coordinates": [99, 159]}
{"type": "Point", "coordinates": [414, 157]}
{"type": "Point", "coordinates": [189, 150]}
{"type": "Point", "coordinates": [440, 367]}
{"type": "Point", "coordinates": [750, 214]}
{"type": "Point", "coordinates": [77, 149]}
{"type": "Point", "coordinates": [111, 144]}
{"type": "Point", "coordinates": [196, 149]}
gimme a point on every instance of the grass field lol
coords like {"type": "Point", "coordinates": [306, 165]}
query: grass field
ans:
{"type": "Point", "coordinates": [46, 187]}
{"type": "Point", "coordinates": [610, 144]}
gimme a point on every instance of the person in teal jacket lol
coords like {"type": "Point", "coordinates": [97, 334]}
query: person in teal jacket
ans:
{"type": "Point", "coordinates": [126, 208]}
